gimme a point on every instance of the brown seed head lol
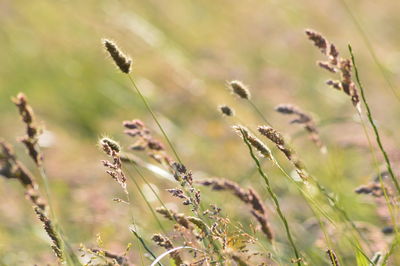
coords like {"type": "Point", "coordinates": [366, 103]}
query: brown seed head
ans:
{"type": "Point", "coordinates": [111, 144]}
{"type": "Point", "coordinates": [120, 59]}
{"type": "Point", "coordinates": [240, 89]}
{"type": "Point", "coordinates": [272, 135]}
{"type": "Point", "coordinates": [318, 40]}
{"type": "Point", "coordinates": [254, 141]}
{"type": "Point", "coordinates": [226, 110]}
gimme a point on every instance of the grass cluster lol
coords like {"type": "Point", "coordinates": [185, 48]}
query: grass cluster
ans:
{"type": "Point", "coordinates": [279, 212]}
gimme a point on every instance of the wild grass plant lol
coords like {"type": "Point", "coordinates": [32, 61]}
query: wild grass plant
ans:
{"type": "Point", "coordinates": [180, 221]}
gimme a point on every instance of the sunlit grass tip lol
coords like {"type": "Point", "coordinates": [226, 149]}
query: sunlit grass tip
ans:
{"type": "Point", "coordinates": [122, 61]}
{"type": "Point", "coordinates": [240, 89]}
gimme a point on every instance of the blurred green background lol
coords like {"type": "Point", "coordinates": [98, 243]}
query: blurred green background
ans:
{"type": "Point", "coordinates": [183, 53]}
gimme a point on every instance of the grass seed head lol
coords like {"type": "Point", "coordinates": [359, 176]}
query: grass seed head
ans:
{"type": "Point", "coordinates": [240, 89]}
{"type": "Point", "coordinates": [226, 110]}
{"type": "Point", "coordinates": [272, 135]}
{"type": "Point", "coordinates": [318, 40]}
{"type": "Point", "coordinates": [107, 144]}
{"type": "Point", "coordinates": [120, 59]}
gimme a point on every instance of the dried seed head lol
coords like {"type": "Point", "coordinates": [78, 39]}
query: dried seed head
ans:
{"type": "Point", "coordinates": [333, 54]}
{"type": "Point", "coordinates": [51, 232]}
{"type": "Point", "coordinates": [166, 243]}
{"type": "Point", "coordinates": [240, 89]}
{"type": "Point", "coordinates": [134, 124]}
{"type": "Point", "coordinates": [107, 143]}
{"type": "Point", "coordinates": [254, 141]}
{"type": "Point", "coordinates": [335, 84]}
{"type": "Point", "coordinates": [318, 39]}
{"type": "Point", "coordinates": [226, 110]}
{"type": "Point", "coordinates": [272, 135]}
{"type": "Point", "coordinates": [259, 146]}
{"type": "Point", "coordinates": [374, 189]}
{"type": "Point", "coordinates": [32, 131]}
{"type": "Point", "coordinates": [345, 68]}
{"type": "Point", "coordinates": [241, 130]}
{"type": "Point", "coordinates": [120, 59]}
{"type": "Point", "coordinates": [327, 66]}
{"type": "Point", "coordinates": [286, 109]}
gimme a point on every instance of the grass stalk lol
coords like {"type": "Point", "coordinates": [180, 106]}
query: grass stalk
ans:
{"type": "Point", "coordinates": [260, 114]}
{"type": "Point", "coordinates": [274, 198]}
{"type": "Point", "coordinates": [155, 119]}
{"type": "Point", "coordinates": [147, 202]}
{"type": "Point", "coordinates": [371, 120]}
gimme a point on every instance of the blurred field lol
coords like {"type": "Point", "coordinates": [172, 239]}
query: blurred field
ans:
{"type": "Point", "coordinates": [183, 54]}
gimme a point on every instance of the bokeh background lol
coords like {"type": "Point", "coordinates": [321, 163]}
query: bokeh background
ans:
{"type": "Point", "coordinates": [183, 54]}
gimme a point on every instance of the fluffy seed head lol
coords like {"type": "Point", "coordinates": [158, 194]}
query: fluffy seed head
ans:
{"type": "Point", "coordinates": [240, 89]}
{"type": "Point", "coordinates": [318, 40]}
{"type": "Point", "coordinates": [107, 143]}
{"type": "Point", "coordinates": [272, 134]}
{"type": "Point", "coordinates": [254, 141]}
{"type": "Point", "coordinates": [241, 130]}
{"type": "Point", "coordinates": [120, 59]}
{"type": "Point", "coordinates": [226, 110]}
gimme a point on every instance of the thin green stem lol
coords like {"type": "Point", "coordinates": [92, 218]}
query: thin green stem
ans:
{"type": "Point", "coordinates": [371, 120]}
{"type": "Point", "coordinates": [275, 200]}
{"type": "Point", "coordinates": [133, 230]}
{"type": "Point", "coordinates": [215, 246]}
{"type": "Point", "coordinates": [149, 185]}
{"type": "Point", "coordinates": [155, 119]}
{"type": "Point", "coordinates": [134, 225]}
{"type": "Point", "coordinates": [147, 203]}
{"type": "Point", "coordinates": [371, 49]}
{"type": "Point", "coordinates": [259, 112]}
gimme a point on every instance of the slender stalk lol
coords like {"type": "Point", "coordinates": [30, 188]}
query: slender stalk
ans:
{"type": "Point", "coordinates": [149, 109]}
{"type": "Point", "coordinates": [385, 194]}
{"type": "Point", "coordinates": [371, 49]}
{"type": "Point", "coordinates": [274, 198]}
{"type": "Point", "coordinates": [259, 112]}
{"type": "Point", "coordinates": [147, 203]}
{"type": "Point", "coordinates": [133, 230]}
{"type": "Point", "coordinates": [148, 184]}
{"type": "Point", "coordinates": [134, 225]}
{"type": "Point", "coordinates": [371, 120]}
{"type": "Point", "coordinates": [155, 118]}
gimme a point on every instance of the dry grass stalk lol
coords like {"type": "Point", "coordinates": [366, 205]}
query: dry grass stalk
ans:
{"type": "Point", "coordinates": [11, 168]}
{"type": "Point", "coordinates": [51, 232]}
{"type": "Point", "coordinates": [120, 59]}
{"type": "Point", "coordinates": [112, 149]}
{"type": "Point", "coordinates": [303, 119]}
{"type": "Point", "coordinates": [250, 197]}
{"type": "Point", "coordinates": [277, 138]}
{"type": "Point", "coordinates": [32, 132]}
{"type": "Point", "coordinates": [164, 242]}
{"type": "Point", "coordinates": [336, 64]}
